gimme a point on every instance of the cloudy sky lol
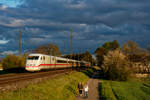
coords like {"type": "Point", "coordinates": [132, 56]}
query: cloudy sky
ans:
{"type": "Point", "coordinates": [93, 22]}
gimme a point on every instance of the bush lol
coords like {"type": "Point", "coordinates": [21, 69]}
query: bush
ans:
{"type": "Point", "coordinates": [116, 66]}
{"type": "Point", "coordinates": [13, 61]}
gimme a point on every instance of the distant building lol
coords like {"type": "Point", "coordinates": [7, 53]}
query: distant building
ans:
{"type": "Point", "coordinates": [142, 67]}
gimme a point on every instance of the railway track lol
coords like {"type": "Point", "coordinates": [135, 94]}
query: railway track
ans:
{"type": "Point", "coordinates": [9, 79]}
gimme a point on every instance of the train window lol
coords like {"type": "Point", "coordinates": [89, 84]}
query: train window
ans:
{"type": "Point", "coordinates": [33, 57]}
{"type": "Point", "coordinates": [61, 61]}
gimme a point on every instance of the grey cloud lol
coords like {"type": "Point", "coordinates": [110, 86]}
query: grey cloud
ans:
{"type": "Point", "coordinates": [93, 21]}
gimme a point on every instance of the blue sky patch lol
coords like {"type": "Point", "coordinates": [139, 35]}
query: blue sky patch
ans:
{"type": "Point", "coordinates": [11, 3]}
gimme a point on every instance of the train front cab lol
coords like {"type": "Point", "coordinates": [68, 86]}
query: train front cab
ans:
{"type": "Point", "coordinates": [32, 63]}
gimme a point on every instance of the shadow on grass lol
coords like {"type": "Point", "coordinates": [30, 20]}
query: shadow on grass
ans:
{"type": "Point", "coordinates": [88, 71]}
{"type": "Point", "coordinates": [145, 88]}
{"type": "Point", "coordinates": [101, 97]}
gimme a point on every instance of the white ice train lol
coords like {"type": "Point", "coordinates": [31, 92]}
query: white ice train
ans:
{"type": "Point", "coordinates": [37, 62]}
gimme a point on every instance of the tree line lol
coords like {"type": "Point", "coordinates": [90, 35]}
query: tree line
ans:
{"type": "Point", "coordinates": [14, 61]}
{"type": "Point", "coordinates": [119, 63]}
{"type": "Point", "coordinates": [129, 55]}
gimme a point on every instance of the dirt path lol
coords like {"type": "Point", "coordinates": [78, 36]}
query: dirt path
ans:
{"type": "Point", "coordinates": [93, 93]}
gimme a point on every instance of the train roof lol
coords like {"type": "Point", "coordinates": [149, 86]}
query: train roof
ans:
{"type": "Point", "coordinates": [38, 54]}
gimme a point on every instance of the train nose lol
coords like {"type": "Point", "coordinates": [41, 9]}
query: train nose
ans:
{"type": "Point", "coordinates": [30, 64]}
{"type": "Point", "coordinates": [32, 67]}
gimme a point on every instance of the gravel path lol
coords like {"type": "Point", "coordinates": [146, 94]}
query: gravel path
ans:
{"type": "Point", "coordinates": [93, 93]}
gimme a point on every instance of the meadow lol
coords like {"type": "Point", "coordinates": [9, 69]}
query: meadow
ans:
{"type": "Point", "coordinates": [130, 90]}
{"type": "Point", "coordinates": [63, 87]}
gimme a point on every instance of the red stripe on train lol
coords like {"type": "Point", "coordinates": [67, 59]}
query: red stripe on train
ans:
{"type": "Point", "coordinates": [48, 65]}
{"type": "Point", "coordinates": [32, 66]}
{"type": "Point", "coordinates": [52, 64]}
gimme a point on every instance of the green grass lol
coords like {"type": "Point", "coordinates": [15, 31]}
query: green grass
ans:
{"type": "Point", "coordinates": [62, 87]}
{"type": "Point", "coordinates": [131, 90]}
{"type": "Point", "coordinates": [106, 92]}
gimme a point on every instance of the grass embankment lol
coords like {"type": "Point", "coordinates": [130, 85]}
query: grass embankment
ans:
{"type": "Point", "coordinates": [63, 87]}
{"type": "Point", "coordinates": [131, 90]}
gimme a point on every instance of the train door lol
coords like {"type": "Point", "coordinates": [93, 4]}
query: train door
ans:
{"type": "Point", "coordinates": [42, 61]}
{"type": "Point", "coordinates": [52, 62]}
{"type": "Point", "coordinates": [48, 62]}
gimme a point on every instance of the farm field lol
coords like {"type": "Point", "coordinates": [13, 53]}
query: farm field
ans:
{"type": "Point", "coordinates": [62, 87]}
{"type": "Point", "coordinates": [131, 90]}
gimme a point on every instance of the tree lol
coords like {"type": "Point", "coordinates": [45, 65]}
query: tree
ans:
{"type": "Point", "coordinates": [130, 48]}
{"type": "Point", "coordinates": [13, 61]}
{"type": "Point", "coordinates": [116, 66]}
{"type": "Point", "coordinates": [111, 45]}
{"type": "Point", "coordinates": [137, 56]}
{"type": "Point", "coordinates": [50, 49]}
{"type": "Point", "coordinates": [100, 52]}
{"type": "Point", "coordinates": [133, 51]}
{"type": "Point", "coordinates": [103, 50]}
{"type": "Point", "coordinates": [87, 56]}
{"type": "Point", "coordinates": [82, 57]}
{"type": "Point", "coordinates": [148, 48]}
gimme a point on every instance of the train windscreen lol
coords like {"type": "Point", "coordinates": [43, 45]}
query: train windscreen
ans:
{"type": "Point", "coordinates": [33, 57]}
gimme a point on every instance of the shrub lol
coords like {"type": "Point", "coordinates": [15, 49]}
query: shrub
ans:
{"type": "Point", "coordinates": [13, 61]}
{"type": "Point", "coordinates": [116, 66]}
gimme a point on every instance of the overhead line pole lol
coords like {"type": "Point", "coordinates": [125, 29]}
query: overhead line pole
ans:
{"type": "Point", "coordinates": [71, 44]}
{"type": "Point", "coordinates": [19, 42]}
